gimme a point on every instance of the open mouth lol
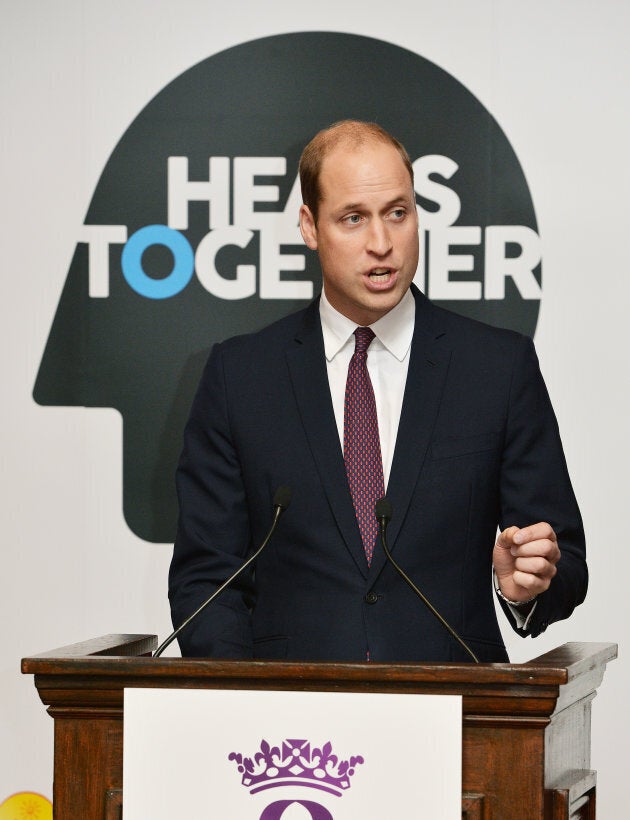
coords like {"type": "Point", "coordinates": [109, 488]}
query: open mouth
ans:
{"type": "Point", "coordinates": [380, 275]}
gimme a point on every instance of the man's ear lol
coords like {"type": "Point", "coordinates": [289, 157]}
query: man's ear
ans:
{"type": "Point", "coordinates": [308, 228]}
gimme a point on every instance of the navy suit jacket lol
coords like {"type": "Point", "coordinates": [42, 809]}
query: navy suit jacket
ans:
{"type": "Point", "coordinates": [477, 447]}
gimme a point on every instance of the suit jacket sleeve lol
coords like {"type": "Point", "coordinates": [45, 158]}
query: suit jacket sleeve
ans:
{"type": "Point", "coordinates": [535, 486]}
{"type": "Point", "coordinates": [214, 532]}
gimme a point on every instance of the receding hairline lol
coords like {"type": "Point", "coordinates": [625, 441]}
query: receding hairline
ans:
{"type": "Point", "coordinates": [353, 133]}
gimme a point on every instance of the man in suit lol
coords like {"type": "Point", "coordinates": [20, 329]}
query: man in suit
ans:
{"type": "Point", "coordinates": [468, 444]}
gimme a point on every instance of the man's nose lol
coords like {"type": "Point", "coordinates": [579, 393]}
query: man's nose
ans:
{"type": "Point", "coordinates": [379, 240]}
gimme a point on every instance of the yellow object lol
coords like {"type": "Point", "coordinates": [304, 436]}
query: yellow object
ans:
{"type": "Point", "coordinates": [26, 806]}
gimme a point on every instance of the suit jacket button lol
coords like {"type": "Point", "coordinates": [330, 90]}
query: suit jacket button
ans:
{"type": "Point", "coordinates": [371, 597]}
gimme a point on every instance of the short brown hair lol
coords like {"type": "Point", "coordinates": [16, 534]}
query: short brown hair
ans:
{"type": "Point", "coordinates": [354, 132]}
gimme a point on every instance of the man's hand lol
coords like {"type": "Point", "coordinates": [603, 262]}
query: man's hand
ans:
{"type": "Point", "coordinates": [525, 560]}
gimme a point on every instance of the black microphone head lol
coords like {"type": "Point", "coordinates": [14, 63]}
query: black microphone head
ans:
{"type": "Point", "coordinates": [383, 509]}
{"type": "Point", "coordinates": [282, 497]}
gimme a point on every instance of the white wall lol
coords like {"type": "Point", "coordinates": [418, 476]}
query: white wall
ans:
{"type": "Point", "coordinates": [73, 75]}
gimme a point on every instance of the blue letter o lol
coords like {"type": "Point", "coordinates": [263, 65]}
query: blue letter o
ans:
{"type": "Point", "coordinates": [178, 278]}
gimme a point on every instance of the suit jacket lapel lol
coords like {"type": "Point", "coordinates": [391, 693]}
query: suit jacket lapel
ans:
{"type": "Point", "coordinates": [307, 367]}
{"type": "Point", "coordinates": [428, 368]}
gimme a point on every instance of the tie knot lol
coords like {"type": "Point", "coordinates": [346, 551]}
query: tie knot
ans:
{"type": "Point", "coordinates": [363, 336]}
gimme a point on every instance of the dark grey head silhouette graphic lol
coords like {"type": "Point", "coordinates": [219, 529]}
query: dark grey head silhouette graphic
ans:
{"type": "Point", "coordinates": [191, 235]}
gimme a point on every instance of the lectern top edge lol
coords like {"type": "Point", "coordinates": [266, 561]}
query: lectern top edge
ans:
{"type": "Point", "coordinates": [96, 656]}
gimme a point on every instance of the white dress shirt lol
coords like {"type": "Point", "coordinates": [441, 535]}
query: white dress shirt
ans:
{"type": "Point", "coordinates": [387, 363]}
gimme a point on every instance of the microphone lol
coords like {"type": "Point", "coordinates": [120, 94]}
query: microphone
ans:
{"type": "Point", "coordinates": [383, 512]}
{"type": "Point", "coordinates": [281, 500]}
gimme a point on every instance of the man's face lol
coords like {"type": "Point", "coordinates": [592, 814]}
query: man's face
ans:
{"type": "Point", "coordinates": [367, 230]}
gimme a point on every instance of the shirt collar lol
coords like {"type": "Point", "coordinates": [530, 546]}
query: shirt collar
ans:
{"type": "Point", "coordinates": [394, 330]}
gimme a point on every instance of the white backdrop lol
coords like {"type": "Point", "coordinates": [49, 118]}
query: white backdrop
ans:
{"type": "Point", "coordinates": [73, 76]}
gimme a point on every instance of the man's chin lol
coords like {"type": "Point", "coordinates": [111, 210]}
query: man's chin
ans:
{"type": "Point", "coordinates": [373, 309]}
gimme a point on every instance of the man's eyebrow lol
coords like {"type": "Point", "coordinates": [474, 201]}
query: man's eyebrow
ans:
{"type": "Point", "coordinates": [402, 199]}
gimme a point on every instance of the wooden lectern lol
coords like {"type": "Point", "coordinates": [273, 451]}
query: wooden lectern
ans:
{"type": "Point", "coordinates": [526, 727]}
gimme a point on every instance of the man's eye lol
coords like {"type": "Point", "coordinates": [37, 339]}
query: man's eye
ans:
{"type": "Point", "coordinates": [353, 219]}
{"type": "Point", "coordinates": [398, 213]}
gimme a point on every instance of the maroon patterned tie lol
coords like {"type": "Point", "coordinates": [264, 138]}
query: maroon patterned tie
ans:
{"type": "Point", "coordinates": [361, 443]}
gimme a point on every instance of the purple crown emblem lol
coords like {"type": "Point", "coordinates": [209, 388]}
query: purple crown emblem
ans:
{"type": "Point", "coordinates": [296, 764]}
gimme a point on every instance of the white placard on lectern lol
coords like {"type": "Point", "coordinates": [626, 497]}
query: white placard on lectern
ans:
{"type": "Point", "coordinates": [236, 755]}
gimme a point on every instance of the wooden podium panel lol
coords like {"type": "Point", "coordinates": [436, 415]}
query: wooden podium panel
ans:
{"type": "Point", "coordinates": [526, 727]}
